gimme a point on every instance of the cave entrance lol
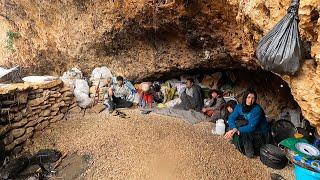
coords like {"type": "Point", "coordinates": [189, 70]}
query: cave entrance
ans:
{"type": "Point", "coordinates": [274, 94]}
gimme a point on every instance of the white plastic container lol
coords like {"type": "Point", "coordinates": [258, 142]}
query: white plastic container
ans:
{"type": "Point", "coordinates": [220, 127]}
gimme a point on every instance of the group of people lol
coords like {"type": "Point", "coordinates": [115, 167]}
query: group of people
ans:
{"type": "Point", "coordinates": [247, 126]}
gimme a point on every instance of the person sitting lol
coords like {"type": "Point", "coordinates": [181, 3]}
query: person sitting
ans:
{"type": "Point", "coordinates": [146, 95]}
{"type": "Point", "coordinates": [230, 105]}
{"type": "Point", "coordinates": [248, 125]}
{"type": "Point", "coordinates": [118, 94]}
{"type": "Point", "coordinates": [215, 108]}
{"type": "Point", "coordinates": [191, 97]}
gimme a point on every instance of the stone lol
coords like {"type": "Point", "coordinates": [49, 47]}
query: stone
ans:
{"type": "Point", "coordinates": [75, 110]}
{"type": "Point", "coordinates": [32, 96]}
{"type": "Point", "coordinates": [18, 132]}
{"type": "Point", "coordinates": [98, 108]}
{"type": "Point", "coordinates": [18, 117]}
{"type": "Point", "coordinates": [46, 94]}
{"type": "Point", "coordinates": [65, 89]}
{"type": "Point", "coordinates": [9, 102]}
{"type": "Point", "coordinates": [31, 123]}
{"type": "Point", "coordinates": [29, 130]}
{"type": "Point", "coordinates": [14, 109]}
{"type": "Point", "coordinates": [55, 95]}
{"type": "Point", "coordinates": [64, 109]}
{"type": "Point", "coordinates": [20, 123]}
{"type": "Point", "coordinates": [22, 138]}
{"type": "Point", "coordinates": [37, 111]}
{"type": "Point", "coordinates": [37, 91]}
{"type": "Point", "coordinates": [10, 146]}
{"type": "Point", "coordinates": [8, 139]}
{"type": "Point", "coordinates": [45, 113]}
{"type": "Point", "coordinates": [54, 113]}
{"type": "Point", "coordinates": [16, 150]}
{"type": "Point", "coordinates": [36, 102]}
{"type": "Point", "coordinates": [22, 97]}
{"type": "Point", "coordinates": [58, 105]}
{"type": "Point", "coordinates": [55, 89]}
{"type": "Point", "coordinates": [67, 94]}
{"type": "Point", "coordinates": [57, 118]}
{"type": "Point", "coordinates": [11, 117]}
{"type": "Point", "coordinates": [68, 102]}
{"type": "Point", "coordinates": [4, 111]}
{"type": "Point", "coordinates": [40, 119]}
{"type": "Point", "coordinates": [42, 125]}
{"type": "Point", "coordinates": [67, 98]}
{"type": "Point", "coordinates": [33, 118]}
{"type": "Point", "coordinates": [73, 105]}
{"type": "Point", "coordinates": [24, 112]}
{"type": "Point", "coordinates": [35, 108]}
{"type": "Point", "coordinates": [52, 99]}
{"type": "Point", "coordinates": [45, 106]}
{"type": "Point", "coordinates": [4, 129]}
{"type": "Point", "coordinates": [50, 84]}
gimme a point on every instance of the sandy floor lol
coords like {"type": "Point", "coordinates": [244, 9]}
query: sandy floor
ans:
{"type": "Point", "coordinates": [150, 147]}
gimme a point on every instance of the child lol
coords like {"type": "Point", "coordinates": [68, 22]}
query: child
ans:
{"type": "Point", "coordinates": [146, 95]}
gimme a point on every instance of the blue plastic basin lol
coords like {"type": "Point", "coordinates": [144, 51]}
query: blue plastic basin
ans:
{"type": "Point", "coordinates": [305, 174]}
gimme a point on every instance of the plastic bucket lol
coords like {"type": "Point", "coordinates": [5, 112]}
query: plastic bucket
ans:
{"type": "Point", "coordinates": [305, 174]}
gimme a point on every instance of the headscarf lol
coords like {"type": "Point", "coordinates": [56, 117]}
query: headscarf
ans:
{"type": "Point", "coordinates": [247, 108]}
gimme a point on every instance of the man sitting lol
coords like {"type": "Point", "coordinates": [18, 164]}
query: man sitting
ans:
{"type": "Point", "coordinates": [118, 94]}
{"type": "Point", "coordinates": [191, 97]}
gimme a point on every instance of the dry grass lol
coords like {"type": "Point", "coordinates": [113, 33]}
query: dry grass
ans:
{"type": "Point", "coordinates": [150, 147]}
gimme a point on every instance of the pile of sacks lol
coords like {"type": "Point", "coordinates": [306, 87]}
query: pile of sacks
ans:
{"type": "Point", "coordinates": [101, 80]}
{"type": "Point", "coordinates": [94, 90]}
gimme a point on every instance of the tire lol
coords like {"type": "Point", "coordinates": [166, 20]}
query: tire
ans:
{"type": "Point", "coordinates": [272, 156]}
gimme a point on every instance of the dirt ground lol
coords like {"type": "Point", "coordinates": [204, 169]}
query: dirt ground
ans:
{"type": "Point", "coordinates": [146, 147]}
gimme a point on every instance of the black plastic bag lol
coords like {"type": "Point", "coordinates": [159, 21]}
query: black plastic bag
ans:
{"type": "Point", "coordinates": [280, 51]}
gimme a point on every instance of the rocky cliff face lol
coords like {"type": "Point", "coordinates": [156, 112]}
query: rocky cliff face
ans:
{"type": "Point", "coordinates": [139, 38]}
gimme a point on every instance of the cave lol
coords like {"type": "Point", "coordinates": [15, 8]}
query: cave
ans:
{"type": "Point", "coordinates": [274, 94]}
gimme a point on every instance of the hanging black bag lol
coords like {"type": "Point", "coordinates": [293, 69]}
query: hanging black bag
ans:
{"type": "Point", "coordinates": [280, 51]}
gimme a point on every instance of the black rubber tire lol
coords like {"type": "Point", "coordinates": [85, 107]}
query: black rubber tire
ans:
{"type": "Point", "coordinates": [272, 156]}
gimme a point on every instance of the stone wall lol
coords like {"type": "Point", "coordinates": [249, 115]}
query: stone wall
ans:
{"type": "Point", "coordinates": [29, 107]}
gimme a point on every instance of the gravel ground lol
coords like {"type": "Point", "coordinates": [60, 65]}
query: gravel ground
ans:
{"type": "Point", "coordinates": [150, 147]}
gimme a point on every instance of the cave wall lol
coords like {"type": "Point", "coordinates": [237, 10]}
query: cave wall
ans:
{"type": "Point", "coordinates": [138, 38]}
